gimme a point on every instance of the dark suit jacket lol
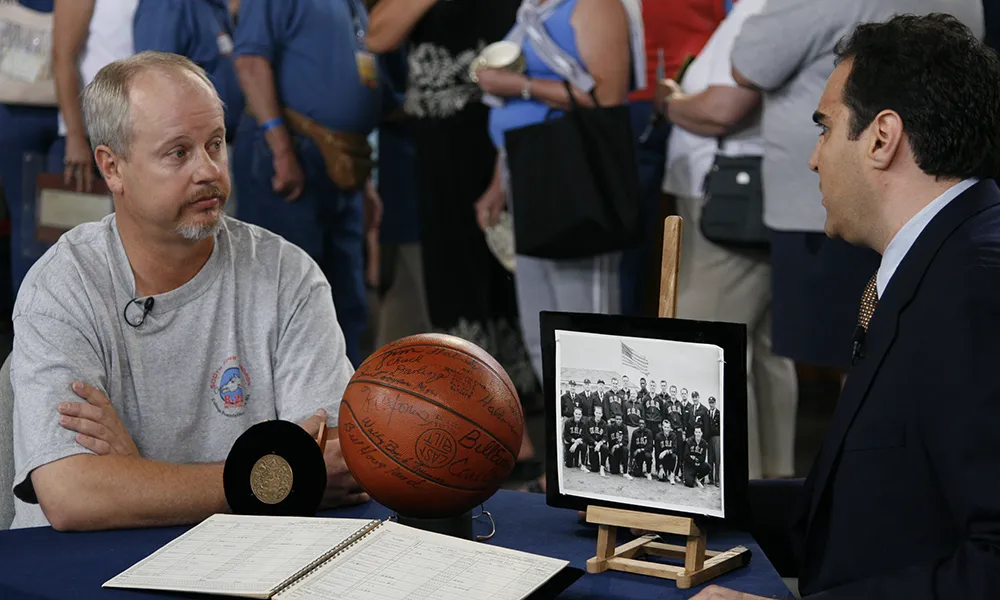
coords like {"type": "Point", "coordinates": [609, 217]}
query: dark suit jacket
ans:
{"type": "Point", "coordinates": [904, 498]}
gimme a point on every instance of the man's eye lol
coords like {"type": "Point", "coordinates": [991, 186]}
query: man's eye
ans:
{"type": "Point", "coordinates": [179, 154]}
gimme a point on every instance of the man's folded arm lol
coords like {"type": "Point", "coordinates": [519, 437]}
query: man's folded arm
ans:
{"type": "Point", "coordinates": [75, 488]}
{"type": "Point", "coordinates": [87, 492]}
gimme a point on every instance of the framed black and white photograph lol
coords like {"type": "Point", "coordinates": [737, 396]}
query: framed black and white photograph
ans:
{"type": "Point", "coordinates": [645, 414]}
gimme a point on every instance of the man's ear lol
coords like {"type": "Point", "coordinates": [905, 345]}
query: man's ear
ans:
{"type": "Point", "coordinates": [110, 165]}
{"type": "Point", "coordinates": [885, 139]}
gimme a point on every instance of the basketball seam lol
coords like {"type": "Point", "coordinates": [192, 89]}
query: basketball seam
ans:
{"type": "Point", "coordinates": [401, 465]}
{"type": "Point", "coordinates": [439, 405]}
{"type": "Point", "coordinates": [512, 392]}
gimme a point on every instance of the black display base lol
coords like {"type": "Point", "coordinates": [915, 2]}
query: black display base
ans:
{"type": "Point", "coordinates": [460, 526]}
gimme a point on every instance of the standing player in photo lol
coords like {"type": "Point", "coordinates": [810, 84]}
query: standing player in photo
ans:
{"type": "Point", "coordinates": [696, 467]}
{"type": "Point", "coordinates": [596, 437]}
{"type": "Point", "coordinates": [713, 430]}
{"type": "Point", "coordinates": [653, 409]}
{"type": "Point", "coordinates": [687, 410]}
{"type": "Point", "coordinates": [664, 398]}
{"type": "Point", "coordinates": [633, 413]}
{"type": "Point", "coordinates": [642, 451]}
{"type": "Point", "coordinates": [573, 439]}
{"type": "Point", "coordinates": [643, 392]}
{"type": "Point", "coordinates": [613, 406]}
{"type": "Point", "coordinates": [665, 447]}
{"type": "Point", "coordinates": [618, 438]}
{"type": "Point", "coordinates": [675, 413]}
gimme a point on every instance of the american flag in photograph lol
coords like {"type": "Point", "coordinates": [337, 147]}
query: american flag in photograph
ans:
{"type": "Point", "coordinates": [631, 358]}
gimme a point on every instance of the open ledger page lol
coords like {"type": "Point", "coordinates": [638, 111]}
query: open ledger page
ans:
{"type": "Point", "coordinates": [396, 562]}
{"type": "Point", "coordinates": [238, 555]}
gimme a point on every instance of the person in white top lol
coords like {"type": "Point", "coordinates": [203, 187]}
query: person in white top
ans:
{"type": "Point", "coordinates": [720, 283]}
{"type": "Point", "coordinates": [87, 35]}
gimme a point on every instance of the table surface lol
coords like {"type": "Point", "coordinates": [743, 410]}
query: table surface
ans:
{"type": "Point", "coordinates": [43, 564]}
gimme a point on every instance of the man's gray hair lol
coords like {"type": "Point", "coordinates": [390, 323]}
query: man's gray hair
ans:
{"type": "Point", "coordinates": [106, 99]}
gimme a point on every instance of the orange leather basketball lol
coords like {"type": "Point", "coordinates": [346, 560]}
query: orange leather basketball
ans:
{"type": "Point", "coordinates": [430, 426]}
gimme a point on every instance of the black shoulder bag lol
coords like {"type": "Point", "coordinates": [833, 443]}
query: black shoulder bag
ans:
{"type": "Point", "coordinates": [574, 183]}
{"type": "Point", "coordinates": [733, 213]}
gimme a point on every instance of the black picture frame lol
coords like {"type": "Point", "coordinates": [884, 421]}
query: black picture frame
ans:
{"type": "Point", "coordinates": [731, 337]}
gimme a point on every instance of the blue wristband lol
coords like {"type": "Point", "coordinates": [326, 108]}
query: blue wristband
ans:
{"type": "Point", "coordinates": [269, 125]}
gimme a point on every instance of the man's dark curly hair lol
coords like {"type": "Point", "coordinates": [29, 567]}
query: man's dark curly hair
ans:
{"type": "Point", "coordinates": [942, 81]}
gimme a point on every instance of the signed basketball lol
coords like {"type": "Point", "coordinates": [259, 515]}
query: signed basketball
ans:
{"type": "Point", "coordinates": [430, 426]}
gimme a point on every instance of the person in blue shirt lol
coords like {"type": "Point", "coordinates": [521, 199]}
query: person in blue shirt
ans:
{"type": "Point", "coordinates": [23, 129]}
{"type": "Point", "coordinates": [314, 93]}
{"type": "Point", "coordinates": [201, 30]}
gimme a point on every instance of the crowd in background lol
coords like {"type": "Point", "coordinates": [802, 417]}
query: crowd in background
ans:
{"type": "Point", "coordinates": [311, 87]}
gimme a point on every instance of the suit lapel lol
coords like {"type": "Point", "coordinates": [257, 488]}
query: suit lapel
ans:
{"type": "Point", "coordinates": [882, 329]}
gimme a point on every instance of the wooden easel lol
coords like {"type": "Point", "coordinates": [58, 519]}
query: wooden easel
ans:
{"type": "Point", "coordinates": [697, 568]}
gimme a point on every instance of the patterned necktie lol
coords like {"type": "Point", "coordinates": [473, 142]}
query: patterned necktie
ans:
{"type": "Point", "coordinates": [869, 300]}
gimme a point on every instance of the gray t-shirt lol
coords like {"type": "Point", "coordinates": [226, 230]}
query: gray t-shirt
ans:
{"type": "Point", "coordinates": [788, 50]}
{"type": "Point", "coordinates": [252, 337]}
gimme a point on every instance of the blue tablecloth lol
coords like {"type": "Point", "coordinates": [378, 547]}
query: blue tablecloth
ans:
{"type": "Point", "coordinates": [42, 564]}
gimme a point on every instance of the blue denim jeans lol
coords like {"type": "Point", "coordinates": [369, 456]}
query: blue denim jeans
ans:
{"type": "Point", "coordinates": [325, 221]}
{"type": "Point", "coordinates": [24, 130]}
{"type": "Point", "coordinates": [651, 156]}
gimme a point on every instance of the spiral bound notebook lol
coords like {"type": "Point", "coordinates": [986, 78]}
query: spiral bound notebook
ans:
{"type": "Point", "coordinates": [334, 559]}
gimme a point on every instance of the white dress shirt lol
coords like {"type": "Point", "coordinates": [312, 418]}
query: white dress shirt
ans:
{"type": "Point", "coordinates": [908, 234]}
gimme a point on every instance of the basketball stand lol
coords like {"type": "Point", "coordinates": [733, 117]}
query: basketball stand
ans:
{"type": "Point", "coordinates": [460, 526]}
{"type": "Point", "coordinates": [700, 564]}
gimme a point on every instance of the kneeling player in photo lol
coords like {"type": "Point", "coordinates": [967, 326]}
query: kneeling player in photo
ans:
{"type": "Point", "coordinates": [666, 449]}
{"type": "Point", "coordinates": [597, 441]}
{"type": "Point", "coordinates": [573, 443]}
{"type": "Point", "coordinates": [618, 439]}
{"type": "Point", "coordinates": [642, 451]}
{"type": "Point", "coordinates": [696, 466]}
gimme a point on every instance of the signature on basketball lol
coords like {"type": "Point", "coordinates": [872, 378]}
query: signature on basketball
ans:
{"type": "Point", "coordinates": [497, 410]}
{"type": "Point", "coordinates": [395, 406]}
{"type": "Point", "coordinates": [400, 356]}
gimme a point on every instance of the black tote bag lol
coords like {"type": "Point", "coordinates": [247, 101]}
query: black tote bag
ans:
{"type": "Point", "coordinates": [574, 183]}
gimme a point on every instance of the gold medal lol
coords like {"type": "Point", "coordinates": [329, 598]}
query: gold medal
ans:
{"type": "Point", "coordinates": [271, 479]}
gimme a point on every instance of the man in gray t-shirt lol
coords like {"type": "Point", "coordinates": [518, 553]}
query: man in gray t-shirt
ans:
{"type": "Point", "coordinates": [241, 327]}
{"type": "Point", "coordinates": [787, 51]}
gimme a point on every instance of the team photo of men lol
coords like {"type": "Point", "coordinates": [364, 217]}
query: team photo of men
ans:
{"type": "Point", "coordinates": [644, 433]}
{"type": "Point", "coordinates": [648, 437]}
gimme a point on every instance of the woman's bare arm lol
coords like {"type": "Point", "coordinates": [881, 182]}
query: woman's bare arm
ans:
{"type": "Point", "coordinates": [391, 22]}
{"type": "Point", "coordinates": [603, 39]}
{"type": "Point", "coordinates": [717, 111]}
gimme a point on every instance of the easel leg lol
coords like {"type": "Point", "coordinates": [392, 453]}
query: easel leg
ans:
{"type": "Point", "coordinates": [606, 538]}
{"type": "Point", "coordinates": [695, 557]}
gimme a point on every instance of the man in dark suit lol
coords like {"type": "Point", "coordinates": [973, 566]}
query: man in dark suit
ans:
{"type": "Point", "coordinates": [587, 399]}
{"type": "Point", "coordinates": [697, 414]}
{"type": "Point", "coordinates": [569, 401]}
{"type": "Point", "coordinates": [903, 500]}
